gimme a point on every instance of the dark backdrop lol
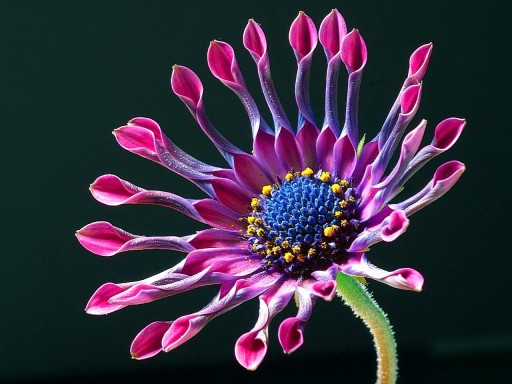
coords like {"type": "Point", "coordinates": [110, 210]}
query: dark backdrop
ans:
{"type": "Point", "coordinates": [71, 72]}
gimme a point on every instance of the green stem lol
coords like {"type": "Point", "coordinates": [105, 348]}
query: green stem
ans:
{"type": "Point", "coordinates": [357, 297]}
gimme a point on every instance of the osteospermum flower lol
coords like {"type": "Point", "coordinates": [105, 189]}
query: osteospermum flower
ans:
{"type": "Point", "coordinates": [307, 204]}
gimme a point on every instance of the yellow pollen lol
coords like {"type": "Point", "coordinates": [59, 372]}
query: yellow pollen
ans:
{"type": "Point", "coordinates": [255, 203]}
{"type": "Point", "coordinates": [288, 256]}
{"type": "Point", "coordinates": [296, 249]}
{"type": "Point", "coordinates": [260, 232]}
{"type": "Point", "coordinates": [251, 219]}
{"type": "Point", "coordinates": [266, 190]}
{"type": "Point", "coordinates": [251, 230]}
{"type": "Point", "coordinates": [344, 223]}
{"type": "Point", "coordinates": [343, 204]}
{"type": "Point", "coordinates": [285, 244]}
{"type": "Point", "coordinates": [344, 183]}
{"type": "Point", "coordinates": [276, 249]}
{"type": "Point", "coordinates": [308, 172]}
{"type": "Point", "coordinates": [330, 231]}
{"type": "Point", "coordinates": [352, 199]}
{"type": "Point", "coordinates": [312, 251]}
{"type": "Point", "coordinates": [324, 245]}
{"type": "Point", "coordinates": [338, 214]}
{"type": "Point", "coordinates": [269, 251]}
{"type": "Point", "coordinates": [325, 177]}
{"type": "Point", "coordinates": [336, 189]}
{"type": "Point", "coordinates": [289, 176]}
{"type": "Point", "coordinates": [258, 221]}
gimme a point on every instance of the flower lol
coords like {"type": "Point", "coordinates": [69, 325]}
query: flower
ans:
{"type": "Point", "coordinates": [306, 204]}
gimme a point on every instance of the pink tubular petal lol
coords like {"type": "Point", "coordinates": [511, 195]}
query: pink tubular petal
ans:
{"type": "Point", "coordinates": [332, 31]}
{"type": "Point", "coordinates": [353, 51]}
{"type": "Point", "coordinates": [290, 334]}
{"type": "Point", "coordinates": [250, 349]}
{"type": "Point", "coordinates": [324, 149]}
{"type": "Point", "coordinates": [254, 40]}
{"type": "Point", "coordinates": [303, 36]}
{"type": "Point", "coordinates": [448, 132]}
{"type": "Point", "coordinates": [187, 86]}
{"type": "Point", "coordinates": [102, 238]}
{"type": "Point", "coordinates": [264, 151]}
{"type": "Point", "coordinates": [403, 278]}
{"type": "Point", "coordinates": [397, 224]}
{"type": "Point", "coordinates": [216, 238]}
{"type": "Point", "coordinates": [138, 140]}
{"type": "Point", "coordinates": [222, 62]}
{"type": "Point", "coordinates": [99, 302]}
{"type": "Point", "coordinates": [183, 329]}
{"type": "Point", "coordinates": [230, 261]}
{"type": "Point", "coordinates": [111, 190]}
{"type": "Point", "coordinates": [410, 99]}
{"type": "Point", "coordinates": [418, 62]}
{"type": "Point", "coordinates": [148, 342]}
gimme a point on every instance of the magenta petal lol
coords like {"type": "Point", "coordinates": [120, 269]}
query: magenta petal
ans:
{"type": "Point", "coordinates": [409, 101]}
{"type": "Point", "coordinates": [186, 85]}
{"type": "Point", "coordinates": [102, 238]}
{"type": "Point", "coordinates": [397, 224]}
{"type": "Point", "coordinates": [182, 330]}
{"type": "Point", "coordinates": [324, 149]}
{"type": "Point", "coordinates": [148, 342]}
{"type": "Point", "coordinates": [222, 62]}
{"type": "Point", "coordinates": [447, 133]}
{"type": "Point", "coordinates": [138, 140]}
{"type": "Point", "coordinates": [353, 51]}
{"type": "Point", "coordinates": [418, 62]}
{"type": "Point", "coordinates": [254, 40]}
{"type": "Point", "coordinates": [250, 349]}
{"type": "Point", "coordinates": [250, 172]}
{"type": "Point", "coordinates": [111, 190]}
{"type": "Point", "coordinates": [230, 261]}
{"type": "Point", "coordinates": [303, 36]}
{"type": "Point", "coordinates": [99, 302]}
{"type": "Point", "coordinates": [288, 150]}
{"type": "Point", "coordinates": [332, 31]}
{"type": "Point", "coordinates": [216, 238]}
{"type": "Point", "coordinates": [324, 289]}
{"type": "Point", "coordinates": [291, 334]}
{"type": "Point", "coordinates": [217, 215]}
{"type": "Point", "coordinates": [345, 157]}
{"type": "Point", "coordinates": [231, 195]}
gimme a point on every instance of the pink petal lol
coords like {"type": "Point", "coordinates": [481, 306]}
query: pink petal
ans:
{"type": "Point", "coordinates": [345, 157]}
{"type": "Point", "coordinates": [99, 302]}
{"type": "Point", "coordinates": [291, 334]}
{"type": "Point", "coordinates": [216, 238]}
{"type": "Point", "coordinates": [186, 85]}
{"type": "Point", "coordinates": [448, 132]}
{"type": "Point", "coordinates": [254, 40]}
{"type": "Point", "coordinates": [332, 31]}
{"type": "Point", "coordinates": [183, 329]}
{"type": "Point", "coordinates": [397, 224]}
{"type": "Point", "coordinates": [250, 349]}
{"type": "Point", "coordinates": [111, 190]}
{"type": "Point", "coordinates": [232, 196]}
{"type": "Point", "coordinates": [418, 62]}
{"type": "Point", "coordinates": [102, 238]}
{"type": "Point", "coordinates": [217, 215]}
{"type": "Point", "coordinates": [148, 342]}
{"type": "Point", "coordinates": [353, 51]}
{"type": "Point", "coordinates": [303, 36]}
{"type": "Point", "coordinates": [410, 99]}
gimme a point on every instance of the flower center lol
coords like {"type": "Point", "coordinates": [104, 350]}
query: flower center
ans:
{"type": "Point", "coordinates": [304, 223]}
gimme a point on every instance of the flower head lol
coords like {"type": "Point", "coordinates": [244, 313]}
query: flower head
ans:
{"type": "Point", "coordinates": [308, 203]}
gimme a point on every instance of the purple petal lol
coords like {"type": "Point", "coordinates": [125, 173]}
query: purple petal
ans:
{"type": "Point", "coordinates": [148, 342]}
{"type": "Point", "coordinates": [345, 157]}
{"type": "Point", "coordinates": [232, 196]}
{"type": "Point", "coordinates": [288, 150]}
{"type": "Point", "coordinates": [324, 149]}
{"type": "Point", "coordinates": [217, 215]}
{"type": "Point", "coordinates": [250, 173]}
{"type": "Point", "coordinates": [418, 62]}
{"type": "Point", "coordinates": [216, 238]}
{"type": "Point", "coordinates": [231, 261]}
{"type": "Point", "coordinates": [264, 151]}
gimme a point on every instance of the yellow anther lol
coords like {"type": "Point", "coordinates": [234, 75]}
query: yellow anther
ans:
{"type": "Point", "coordinates": [330, 231]}
{"type": "Point", "coordinates": [255, 203]}
{"type": "Point", "coordinates": [258, 221]}
{"type": "Point", "coordinates": [338, 214]}
{"type": "Point", "coordinates": [324, 245]}
{"type": "Point", "coordinates": [312, 251]}
{"type": "Point", "coordinates": [289, 176]}
{"type": "Point", "coordinates": [296, 249]}
{"type": "Point", "coordinates": [266, 190]}
{"type": "Point", "coordinates": [288, 257]}
{"type": "Point", "coordinates": [285, 244]}
{"type": "Point", "coordinates": [251, 219]}
{"type": "Point", "coordinates": [351, 199]}
{"type": "Point", "coordinates": [269, 251]}
{"type": "Point", "coordinates": [276, 249]}
{"type": "Point", "coordinates": [325, 177]}
{"type": "Point", "coordinates": [344, 183]}
{"type": "Point", "coordinates": [308, 172]}
{"type": "Point", "coordinates": [336, 189]}
{"type": "Point", "coordinates": [344, 223]}
{"type": "Point", "coordinates": [251, 230]}
{"type": "Point", "coordinates": [260, 232]}
{"type": "Point", "coordinates": [343, 204]}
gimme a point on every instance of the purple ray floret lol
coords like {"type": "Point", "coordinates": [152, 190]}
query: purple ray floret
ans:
{"type": "Point", "coordinates": [306, 204]}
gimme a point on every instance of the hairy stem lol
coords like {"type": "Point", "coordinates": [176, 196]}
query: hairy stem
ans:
{"type": "Point", "coordinates": [357, 297]}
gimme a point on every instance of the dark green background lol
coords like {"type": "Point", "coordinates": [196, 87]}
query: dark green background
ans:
{"type": "Point", "coordinates": [71, 72]}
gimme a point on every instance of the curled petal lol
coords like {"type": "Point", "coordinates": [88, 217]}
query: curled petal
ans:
{"type": "Point", "coordinates": [103, 239]}
{"type": "Point", "coordinates": [410, 100]}
{"type": "Point", "coordinates": [148, 342]}
{"type": "Point", "coordinates": [183, 329]}
{"type": "Point", "coordinates": [353, 51]}
{"type": "Point", "coordinates": [403, 278]}
{"type": "Point", "coordinates": [187, 86]}
{"type": "Point", "coordinates": [332, 31]}
{"type": "Point", "coordinates": [418, 62]}
{"type": "Point", "coordinates": [251, 348]}
{"type": "Point", "coordinates": [303, 36]}
{"type": "Point", "coordinates": [216, 238]}
{"type": "Point", "coordinates": [99, 303]}
{"type": "Point", "coordinates": [291, 334]}
{"type": "Point", "coordinates": [448, 132]}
